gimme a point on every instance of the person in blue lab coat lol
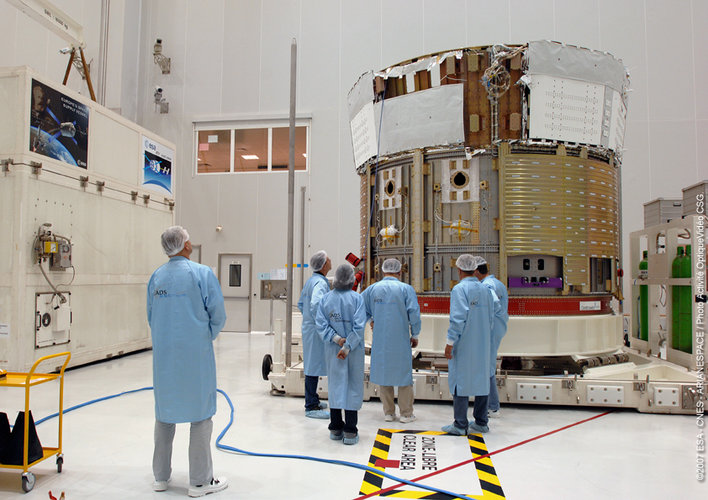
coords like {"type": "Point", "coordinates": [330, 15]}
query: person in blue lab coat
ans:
{"type": "Point", "coordinates": [393, 306]}
{"type": "Point", "coordinates": [341, 319]}
{"type": "Point", "coordinates": [501, 318]}
{"type": "Point", "coordinates": [185, 310]}
{"type": "Point", "coordinates": [468, 348]}
{"type": "Point", "coordinates": [312, 346]}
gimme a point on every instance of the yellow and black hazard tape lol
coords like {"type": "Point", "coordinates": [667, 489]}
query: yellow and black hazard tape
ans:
{"type": "Point", "coordinates": [485, 470]}
{"type": "Point", "coordinates": [373, 482]}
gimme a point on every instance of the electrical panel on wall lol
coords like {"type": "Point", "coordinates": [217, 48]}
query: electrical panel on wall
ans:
{"type": "Point", "coordinates": [52, 318]}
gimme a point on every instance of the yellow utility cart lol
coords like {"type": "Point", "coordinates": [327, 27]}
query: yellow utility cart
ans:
{"type": "Point", "coordinates": [27, 380]}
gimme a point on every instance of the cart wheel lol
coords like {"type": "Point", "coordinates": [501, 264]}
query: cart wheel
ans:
{"type": "Point", "coordinates": [276, 392]}
{"type": "Point", "coordinates": [27, 481]}
{"type": "Point", "coordinates": [267, 366]}
{"type": "Point", "coordinates": [60, 462]}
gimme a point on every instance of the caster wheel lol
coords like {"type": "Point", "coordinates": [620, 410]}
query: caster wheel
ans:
{"type": "Point", "coordinates": [28, 480]}
{"type": "Point", "coordinates": [60, 463]}
{"type": "Point", "coordinates": [267, 366]}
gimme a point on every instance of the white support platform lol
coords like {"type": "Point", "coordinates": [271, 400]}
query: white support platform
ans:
{"type": "Point", "coordinates": [659, 386]}
{"type": "Point", "coordinates": [646, 383]}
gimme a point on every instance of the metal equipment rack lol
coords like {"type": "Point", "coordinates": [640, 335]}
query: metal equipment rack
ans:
{"type": "Point", "coordinates": [27, 380]}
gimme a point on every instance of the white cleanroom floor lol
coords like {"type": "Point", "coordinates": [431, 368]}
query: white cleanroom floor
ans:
{"type": "Point", "coordinates": [108, 445]}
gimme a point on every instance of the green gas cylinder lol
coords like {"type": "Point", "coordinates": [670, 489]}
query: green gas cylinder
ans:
{"type": "Point", "coordinates": [675, 299]}
{"type": "Point", "coordinates": [686, 305]}
{"type": "Point", "coordinates": [644, 298]}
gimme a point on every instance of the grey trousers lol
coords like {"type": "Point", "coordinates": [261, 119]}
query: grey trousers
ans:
{"type": "Point", "coordinates": [405, 400]}
{"type": "Point", "coordinates": [200, 465]}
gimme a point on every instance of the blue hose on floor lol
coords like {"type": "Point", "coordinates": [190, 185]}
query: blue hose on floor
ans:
{"type": "Point", "coordinates": [323, 460]}
{"type": "Point", "coordinates": [92, 402]}
{"type": "Point", "coordinates": [267, 455]}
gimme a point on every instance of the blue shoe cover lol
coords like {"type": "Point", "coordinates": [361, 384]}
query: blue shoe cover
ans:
{"type": "Point", "coordinates": [474, 428]}
{"type": "Point", "coordinates": [350, 438]}
{"type": "Point", "coordinates": [454, 430]}
{"type": "Point", "coordinates": [317, 414]}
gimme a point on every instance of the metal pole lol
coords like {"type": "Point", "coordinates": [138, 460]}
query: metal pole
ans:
{"type": "Point", "coordinates": [618, 166]}
{"type": "Point", "coordinates": [103, 50]}
{"type": "Point", "coordinates": [291, 203]}
{"type": "Point", "coordinates": [302, 238]}
{"type": "Point", "coordinates": [271, 331]}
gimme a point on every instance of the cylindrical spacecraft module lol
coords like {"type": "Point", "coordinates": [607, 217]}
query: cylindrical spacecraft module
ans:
{"type": "Point", "coordinates": [512, 153]}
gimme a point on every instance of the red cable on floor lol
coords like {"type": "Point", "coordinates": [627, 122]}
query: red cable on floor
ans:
{"type": "Point", "coordinates": [379, 492]}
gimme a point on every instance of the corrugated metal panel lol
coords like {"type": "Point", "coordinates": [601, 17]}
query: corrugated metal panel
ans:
{"type": "Point", "coordinates": [563, 206]}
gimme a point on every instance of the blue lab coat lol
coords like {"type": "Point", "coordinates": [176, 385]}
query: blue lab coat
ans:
{"type": "Point", "coordinates": [312, 347]}
{"type": "Point", "coordinates": [471, 322]}
{"type": "Point", "coordinates": [501, 316]}
{"type": "Point", "coordinates": [394, 307]}
{"type": "Point", "coordinates": [342, 313]}
{"type": "Point", "coordinates": [185, 310]}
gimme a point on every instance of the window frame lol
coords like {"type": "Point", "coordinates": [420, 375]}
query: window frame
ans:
{"type": "Point", "coordinates": [248, 124]}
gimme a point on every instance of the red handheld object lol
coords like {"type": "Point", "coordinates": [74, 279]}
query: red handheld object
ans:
{"type": "Point", "coordinates": [358, 278]}
{"type": "Point", "coordinates": [352, 259]}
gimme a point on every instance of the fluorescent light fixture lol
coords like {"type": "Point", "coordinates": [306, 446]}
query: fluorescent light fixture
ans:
{"type": "Point", "coordinates": [249, 157]}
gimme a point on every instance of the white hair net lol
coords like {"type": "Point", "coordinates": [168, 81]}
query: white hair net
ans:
{"type": "Point", "coordinates": [480, 261]}
{"type": "Point", "coordinates": [391, 266]}
{"type": "Point", "coordinates": [318, 260]}
{"type": "Point", "coordinates": [344, 277]}
{"type": "Point", "coordinates": [466, 262]}
{"type": "Point", "coordinates": [173, 240]}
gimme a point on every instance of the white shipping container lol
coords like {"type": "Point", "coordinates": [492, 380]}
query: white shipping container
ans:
{"type": "Point", "coordinates": [105, 216]}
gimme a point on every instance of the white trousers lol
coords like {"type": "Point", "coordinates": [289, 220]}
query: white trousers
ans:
{"type": "Point", "coordinates": [200, 465]}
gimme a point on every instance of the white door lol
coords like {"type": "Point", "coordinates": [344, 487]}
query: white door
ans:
{"type": "Point", "coordinates": [235, 279]}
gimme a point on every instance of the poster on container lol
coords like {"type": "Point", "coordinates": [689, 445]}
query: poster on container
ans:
{"type": "Point", "coordinates": [157, 167]}
{"type": "Point", "coordinates": [59, 125]}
